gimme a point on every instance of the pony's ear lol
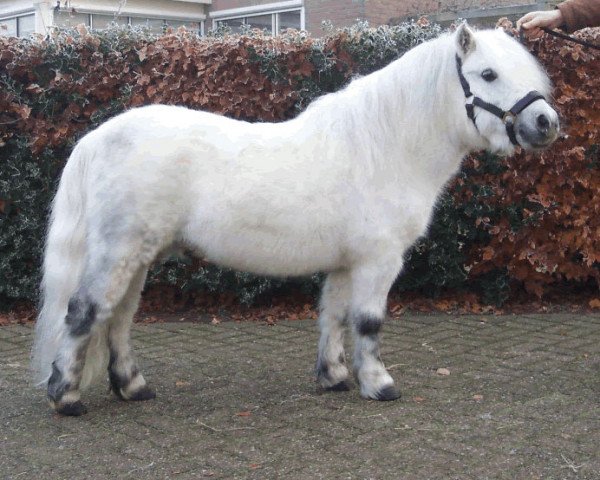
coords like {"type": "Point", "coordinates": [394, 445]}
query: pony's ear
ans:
{"type": "Point", "coordinates": [465, 40]}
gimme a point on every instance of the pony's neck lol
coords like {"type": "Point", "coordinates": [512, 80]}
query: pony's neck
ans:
{"type": "Point", "coordinates": [413, 108]}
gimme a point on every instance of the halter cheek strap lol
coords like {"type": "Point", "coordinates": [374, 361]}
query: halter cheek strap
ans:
{"type": "Point", "coordinates": [508, 117]}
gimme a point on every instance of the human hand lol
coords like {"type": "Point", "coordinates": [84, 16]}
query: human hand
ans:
{"type": "Point", "coordinates": [533, 22]}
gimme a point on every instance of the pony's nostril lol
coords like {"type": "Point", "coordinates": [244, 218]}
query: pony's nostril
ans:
{"type": "Point", "coordinates": [543, 123]}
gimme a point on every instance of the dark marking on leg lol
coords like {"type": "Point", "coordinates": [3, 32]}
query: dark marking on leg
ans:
{"type": "Point", "coordinates": [387, 394]}
{"type": "Point", "coordinates": [80, 315]}
{"type": "Point", "coordinates": [119, 383]}
{"type": "Point", "coordinates": [57, 387]}
{"type": "Point", "coordinates": [116, 383]}
{"type": "Point", "coordinates": [342, 358]}
{"type": "Point", "coordinates": [368, 325]}
{"type": "Point", "coordinates": [322, 370]}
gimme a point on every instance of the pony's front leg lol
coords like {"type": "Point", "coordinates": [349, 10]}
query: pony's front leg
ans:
{"type": "Point", "coordinates": [331, 369]}
{"type": "Point", "coordinates": [370, 286]}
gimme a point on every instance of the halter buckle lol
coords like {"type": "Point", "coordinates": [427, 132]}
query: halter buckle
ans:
{"type": "Point", "coordinates": [509, 118]}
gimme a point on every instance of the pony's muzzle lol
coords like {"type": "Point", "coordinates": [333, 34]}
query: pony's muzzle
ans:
{"type": "Point", "coordinates": [538, 126]}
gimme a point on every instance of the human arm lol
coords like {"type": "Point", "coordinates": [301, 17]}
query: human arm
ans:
{"type": "Point", "coordinates": [577, 14]}
{"type": "Point", "coordinates": [570, 15]}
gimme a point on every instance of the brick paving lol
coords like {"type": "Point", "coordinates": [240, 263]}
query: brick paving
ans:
{"type": "Point", "coordinates": [238, 401]}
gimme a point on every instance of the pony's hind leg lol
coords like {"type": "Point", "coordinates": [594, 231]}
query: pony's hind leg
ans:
{"type": "Point", "coordinates": [331, 369]}
{"type": "Point", "coordinates": [370, 286]}
{"type": "Point", "coordinates": [63, 384]}
{"type": "Point", "coordinates": [81, 321]}
{"type": "Point", "coordinates": [125, 379]}
{"type": "Point", "coordinates": [110, 270]}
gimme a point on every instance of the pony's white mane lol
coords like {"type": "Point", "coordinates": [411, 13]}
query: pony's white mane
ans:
{"type": "Point", "coordinates": [414, 96]}
{"type": "Point", "coordinates": [392, 109]}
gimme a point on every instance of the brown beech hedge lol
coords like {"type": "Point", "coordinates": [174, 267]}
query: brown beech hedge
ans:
{"type": "Point", "coordinates": [506, 225]}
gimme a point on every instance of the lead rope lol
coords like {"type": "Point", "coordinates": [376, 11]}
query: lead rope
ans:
{"type": "Point", "coordinates": [569, 38]}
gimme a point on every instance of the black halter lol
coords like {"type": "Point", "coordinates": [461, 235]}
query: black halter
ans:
{"type": "Point", "coordinates": [508, 117]}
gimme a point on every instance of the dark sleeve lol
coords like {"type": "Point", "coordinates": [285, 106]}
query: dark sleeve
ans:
{"type": "Point", "coordinates": [580, 14]}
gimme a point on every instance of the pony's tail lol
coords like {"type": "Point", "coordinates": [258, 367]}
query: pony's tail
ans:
{"type": "Point", "coordinates": [64, 259]}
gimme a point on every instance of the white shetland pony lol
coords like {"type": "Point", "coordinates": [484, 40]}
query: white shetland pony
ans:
{"type": "Point", "coordinates": [344, 188]}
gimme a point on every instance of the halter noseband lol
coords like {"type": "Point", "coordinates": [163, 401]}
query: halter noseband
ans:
{"type": "Point", "coordinates": [508, 117]}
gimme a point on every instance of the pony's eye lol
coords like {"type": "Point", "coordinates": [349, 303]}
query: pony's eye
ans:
{"type": "Point", "coordinates": [489, 75]}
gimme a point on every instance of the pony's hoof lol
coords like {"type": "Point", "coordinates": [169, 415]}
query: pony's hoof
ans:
{"type": "Point", "coordinates": [342, 386]}
{"type": "Point", "coordinates": [74, 409]}
{"type": "Point", "coordinates": [387, 394]}
{"type": "Point", "coordinates": [132, 389]}
{"type": "Point", "coordinates": [144, 393]}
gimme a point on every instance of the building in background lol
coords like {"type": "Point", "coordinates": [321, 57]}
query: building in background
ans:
{"type": "Point", "coordinates": [268, 15]}
{"type": "Point", "coordinates": [24, 17]}
{"type": "Point", "coordinates": [310, 14]}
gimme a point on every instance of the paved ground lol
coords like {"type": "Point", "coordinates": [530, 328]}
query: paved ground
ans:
{"type": "Point", "coordinates": [238, 401]}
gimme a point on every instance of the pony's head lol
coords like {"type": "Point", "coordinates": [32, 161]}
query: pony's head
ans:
{"type": "Point", "coordinates": [506, 91]}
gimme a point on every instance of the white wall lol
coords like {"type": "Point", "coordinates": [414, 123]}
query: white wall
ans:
{"type": "Point", "coordinates": [150, 8]}
{"type": "Point", "coordinates": [12, 7]}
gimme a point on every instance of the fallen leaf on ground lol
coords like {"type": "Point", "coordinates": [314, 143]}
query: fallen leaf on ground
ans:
{"type": "Point", "coordinates": [244, 414]}
{"type": "Point", "coordinates": [478, 398]}
{"type": "Point", "coordinates": [594, 303]}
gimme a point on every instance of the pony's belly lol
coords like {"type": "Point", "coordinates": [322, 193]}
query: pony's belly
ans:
{"type": "Point", "coordinates": [266, 253]}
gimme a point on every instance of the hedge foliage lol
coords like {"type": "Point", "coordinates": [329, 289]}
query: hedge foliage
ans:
{"type": "Point", "coordinates": [527, 220]}
{"type": "Point", "coordinates": [544, 223]}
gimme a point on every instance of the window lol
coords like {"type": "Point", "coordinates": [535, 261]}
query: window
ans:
{"type": "Point", "coordinates": [288, 20]}
{"type": "Point", "coordinates": [8, 27]}
{"type": "Point", "coordinates": [235, 24]}
{"type": "Point", "coordinates": [103, 21]}
{"type": "Point", "coordinates": [271, 22]}
{"type": "Point", "coordinates": [70, 19]}
{"type": "Point", "coordinates": [22, 26]}
{"type": "Point", "coordinates": [25, 25]}
{"type": "Point", "coordinates": [262, 22]}
{"type": "Point", "coordinates": [154, 25]}
{"type": "Point", "coordinates": [191, 26]}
